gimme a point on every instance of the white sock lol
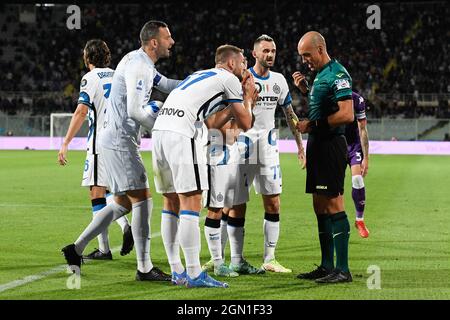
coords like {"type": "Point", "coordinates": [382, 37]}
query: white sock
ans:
{"type": "Point", "coordinates": [169, 233]}
{"type": "Point", "coordinates": [223, 236]}
{"type": "Point", "coordinates": [271, 234]}
{"type": "Point", "coordinates": [103, 239]}
{"type": "Point", "coordinates": [212, 236]}
{"type": "Point", "coordinates": [189, 231]}
{"type": "Point", "coordinates": [101, 221]}
{"type": "Point", "coordinates": [236, 237]}
{"type": "Point", "coordinates": [122, 221]}
{"type": "Point", "coordinates": [140, 226]}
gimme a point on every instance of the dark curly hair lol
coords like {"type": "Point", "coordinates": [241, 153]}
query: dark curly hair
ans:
{"type": "Point", "coordinates": [97, 53]}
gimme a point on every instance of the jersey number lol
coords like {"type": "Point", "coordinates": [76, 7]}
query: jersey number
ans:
{"type": "Point", "coordinates": [196, 77]}
{"type": "Point", "coordinates": [358, 156]}
{"type": "Point", "coordinates": [107, 88]}
{"type": "Point", "coordinates": [275, 170]}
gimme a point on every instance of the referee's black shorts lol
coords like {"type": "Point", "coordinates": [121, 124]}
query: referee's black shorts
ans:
{"type": "Point", "coordinates": [326, 161]}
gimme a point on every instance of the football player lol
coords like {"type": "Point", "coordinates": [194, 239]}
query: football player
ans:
{"type": "Point", "coordinates": [95, 88]}
{"type": "Point", "coordinates": [261, 165]}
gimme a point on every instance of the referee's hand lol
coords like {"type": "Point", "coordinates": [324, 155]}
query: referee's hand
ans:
{"type": "Point", "coordinates": [300, 81]}
{"type": "Point", "coordinates": [303, 126]}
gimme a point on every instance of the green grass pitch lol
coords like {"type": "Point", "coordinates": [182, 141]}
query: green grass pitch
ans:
{"type": "Point", "coordinates": [43, 208]}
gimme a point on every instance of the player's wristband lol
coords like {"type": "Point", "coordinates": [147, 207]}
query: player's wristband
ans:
{"type": "Point", "coordinates": [320, 124]}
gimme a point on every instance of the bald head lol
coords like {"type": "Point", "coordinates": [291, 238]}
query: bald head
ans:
{"type": "Point", "coordinates": [313, 38]}
{"type": "Point", "coordinates": [313, 50]}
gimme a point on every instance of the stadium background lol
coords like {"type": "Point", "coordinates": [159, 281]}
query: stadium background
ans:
{"type": "Point", "coordinates": [402, 70]}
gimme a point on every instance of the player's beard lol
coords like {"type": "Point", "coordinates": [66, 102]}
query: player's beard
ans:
{"type": "Point", "coordinates": [164, 53]}
{"type": "Point", "coordinates": [265, 63]}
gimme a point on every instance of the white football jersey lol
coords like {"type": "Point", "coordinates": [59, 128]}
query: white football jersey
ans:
{"type": "Point", "coordinates": [127, 110]}
{"type": "Point", "coordinates": [273, 91]}
{"type": "Point", "coordinates": [200, 95]}
{"type": "Point", "coordinates": [95, 87]}
{"type": "Point", "coordinates": [259, 144]}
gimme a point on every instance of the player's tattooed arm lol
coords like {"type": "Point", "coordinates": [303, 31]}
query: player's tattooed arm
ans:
{"type": "Point", "coordinates": [364, 137]}
{"type": "Point", "coordinates": [292, 119]}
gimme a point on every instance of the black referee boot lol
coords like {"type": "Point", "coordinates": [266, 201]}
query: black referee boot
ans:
{"type": "Point", "coordinates": [337, 276]}
{"type": "Point", "coordinates": [317, 273]}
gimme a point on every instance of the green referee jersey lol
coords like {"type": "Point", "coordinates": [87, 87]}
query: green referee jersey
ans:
{"type": "Point", "coordinates": [331, 84]}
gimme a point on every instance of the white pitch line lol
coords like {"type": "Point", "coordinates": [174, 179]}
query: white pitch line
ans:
{"type": "Point", "coordinates": [45, 274]}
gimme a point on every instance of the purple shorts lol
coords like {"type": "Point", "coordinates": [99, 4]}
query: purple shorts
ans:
{"type": "Point", "coordinates": [355, 154]}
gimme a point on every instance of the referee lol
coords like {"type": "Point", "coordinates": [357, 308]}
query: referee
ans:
{"type": "Point", "coordinates": [330, 108]}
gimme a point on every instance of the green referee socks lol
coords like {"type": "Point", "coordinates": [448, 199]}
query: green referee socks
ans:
{"type": "Point", "coordinates": [326, 240]}
{"type": "Point", "coordinates": [341, 234]}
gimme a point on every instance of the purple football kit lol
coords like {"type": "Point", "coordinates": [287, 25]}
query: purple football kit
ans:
{"type": "Point", "coordinates": [355, 154]}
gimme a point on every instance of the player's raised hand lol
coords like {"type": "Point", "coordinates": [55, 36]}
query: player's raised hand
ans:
{"type": "Point", "coordinates": [245, 75]}
{"type": "Point", "coordinates": [300, 81]}
{"type": "Point", "coordinates": [364, 167]}
{"type": "Point", "coordinates": [249, 88]}
{"type": "Point", "coordinates": [62, 154]}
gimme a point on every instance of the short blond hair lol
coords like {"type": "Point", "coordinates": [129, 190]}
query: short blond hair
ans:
{"type": "Point", "coordinates": [224, 52]}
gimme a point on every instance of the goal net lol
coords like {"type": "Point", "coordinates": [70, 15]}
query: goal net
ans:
{"type": "Point", "coordinates": [59, 123]}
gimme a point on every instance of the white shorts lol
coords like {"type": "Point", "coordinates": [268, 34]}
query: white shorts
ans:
{"type": "Point", "coordinates": [94, 171]}
{"type": "Point", "coordinates": [179, 163]}
{"type": "Point", "coordinates": [222, 184]}
{"type": "Point", "coordinates": [259, 165]}
{"type": "Point", "coordinates": [266, 178]}
{"type": "Point", "coordinates": [125, 169]}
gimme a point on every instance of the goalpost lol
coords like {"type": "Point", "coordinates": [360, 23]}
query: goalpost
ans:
{"type": "Point", "coordinates": [59, 123]}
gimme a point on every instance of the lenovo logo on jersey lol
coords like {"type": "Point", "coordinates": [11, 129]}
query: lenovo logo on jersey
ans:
{"type": "Point", "coordinates": [171, 112]}
{"type": "Point", "coordinates": [268, 99]}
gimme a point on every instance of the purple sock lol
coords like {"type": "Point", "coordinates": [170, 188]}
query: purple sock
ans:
{"type": "Point", "coordinates": [359, 198]}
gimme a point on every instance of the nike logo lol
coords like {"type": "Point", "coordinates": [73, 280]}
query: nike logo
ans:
{"type": "Point", "coordinates": [339, 75]}
{"type": "Point", "coordinates": [214, 236]}
{"type": "Point", "coordinates": [336, 234]}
